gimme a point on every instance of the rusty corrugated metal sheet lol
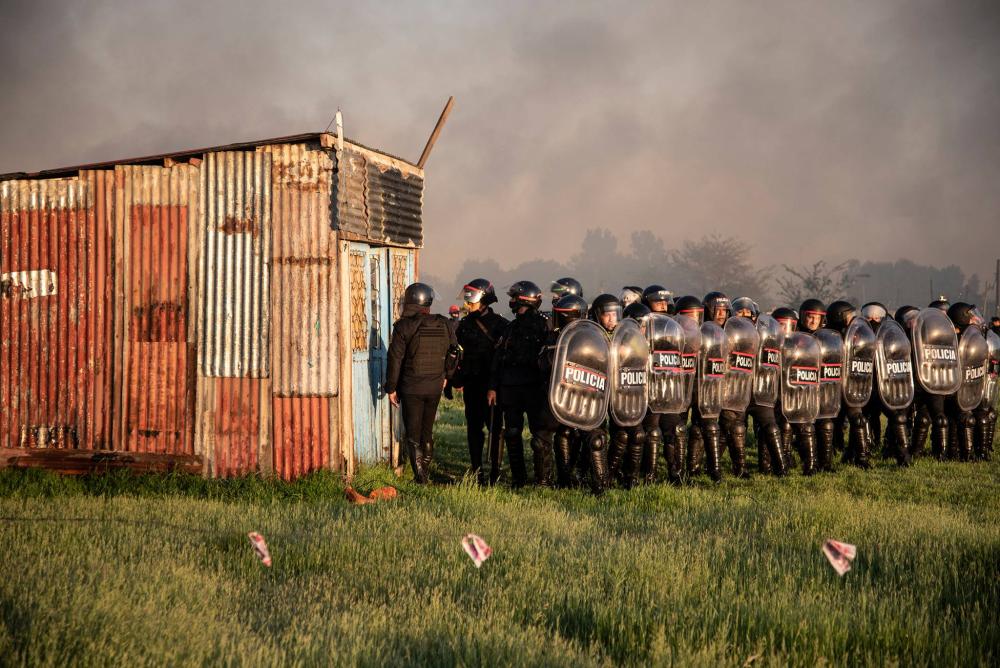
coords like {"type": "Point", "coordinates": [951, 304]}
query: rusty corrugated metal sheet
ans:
{"type": "Point", "coordinates": [234, 317]}
{"type": "Point", "coordinates": [350, 185]}
{"type": "Point", "coordinates": [304, 274]}
{"type": "Point", "coordinates": [54, 280]}
{"type": "Point", "coordinates": [155, 256]}
{"type": "Point", "coordinates": [395, 201]}
{"type": "Point", "coordinates": [301, 435]}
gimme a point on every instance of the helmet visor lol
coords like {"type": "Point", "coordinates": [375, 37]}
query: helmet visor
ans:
{"type": "Point", "coordinates": [471, 294]}
{"type": "Point", "coordinates": [873, 312]}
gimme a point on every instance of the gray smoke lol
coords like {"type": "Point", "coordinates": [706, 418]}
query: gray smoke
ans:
{"type": "Point", "coordinates": [810, 129]}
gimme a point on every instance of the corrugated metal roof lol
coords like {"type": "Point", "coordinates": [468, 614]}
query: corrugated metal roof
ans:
{"type": "Point", "coordinates": [306, 137]}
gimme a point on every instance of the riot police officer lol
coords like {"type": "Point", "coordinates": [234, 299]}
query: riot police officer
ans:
{"type": "Point", "coordinates": [518, 385]}
{"type": "Point", "coordinates": [692, 307]}
{"type": "Point", "coordinates": [963, 445]}
{"type": "Point", "coordinates": [658, 299]}
{"type": "Point", "coordinates": [839, 316]}
{"type": "Point", "coordinates": [477, 334]}
{"type": "Point", "coordinates": [567, 440]}
{"type": "Point", "coordinates": [418, 356]}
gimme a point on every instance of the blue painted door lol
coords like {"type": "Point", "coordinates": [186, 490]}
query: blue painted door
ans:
{"type": "Point", "coordinates": [370, 332]}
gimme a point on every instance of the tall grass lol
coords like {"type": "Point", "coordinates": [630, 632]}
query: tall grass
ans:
{"type": "Point", "coordinates": [158, 569]}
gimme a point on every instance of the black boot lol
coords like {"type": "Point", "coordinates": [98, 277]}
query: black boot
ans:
{"type": "Point", "coordinates": [772, 446]}
{"type": "Point", "coordinates": [515, 457]}
{"type": "Point", "coordinates": [901, 439]}
{"type": "Point", "coordinates": [824, 444]}
{"type": "Point", "coordinates": [806, 441]}
{"type": "Point", "coordinates": [596, 448]}
{"type": "Point", "coordinates": [990, 434]}
{"type": "Point", "coordinates": [953, 447]}
{"type": "Point", "coordinates": [616, 453]}
{"type": "Point", "coordinates": [428, 458]}
{"type": "Point", "coordinates": [737, 443]}
{"type": "Point", "coordinates": [675, 454]}
{"type": "Point", "coordinates": [939, 437]}
{"type": "Point", "coordinates": [787, 438]}
{"type": "Point", "coordinates": [696, 449]}
{"type": "Point", "coordinates": [650, 452]}
{"type": "Point", "coordinates": [564, 457]}
{"type": "Point", "coordinates": [416, 455]}
{"type": "Point", "coordinates": [763, 455]}
{"type": "Point", "coordinates": [710, 431]}
{"type": "Point", "coordinates": [541, 449]}
{"type": "Point", "coordinates": [921, 425]}
{"type": "Point", "coordinates": [966, 435]}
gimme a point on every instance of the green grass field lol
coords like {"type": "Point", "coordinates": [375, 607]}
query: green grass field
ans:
{"type": "Point", "coordinates": [155, 570]}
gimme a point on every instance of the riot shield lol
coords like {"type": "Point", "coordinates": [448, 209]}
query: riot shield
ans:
{"type": "Point", "coordinates": [742, 342]}
{"type": "Point", "coordinates": [767, 373]}
{"type": "Point", "coordinates": [935, 352]}
{"type": "Point", "coordinates": [689, 357]}
{"type": "Point", "coordinates": [579, 388]}
{"type": "Point", "coordinates": [893, 365]}
{"type": "Point", "coordinates": [629, 364]}
{"type": "Point", "coordinates": [666, 387]}
{"type": "Point", "coordinates": [992, 392]}
{"type": "Point", "coordinates": [800, 361]}
{"type": "Point", "coordinates": [859, 363]}
{"type": "Point", "coordinates": [831, 372]}
{"type": "Point", "coordinates": [974, 353]}
{"type": "Point", "coordinates": [711, 369]}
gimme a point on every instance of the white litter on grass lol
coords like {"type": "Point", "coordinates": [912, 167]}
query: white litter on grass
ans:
{"type": "Point", "coordinates": [260, 547]}
{"type": "Point", "coordinates": [840, 555]}
{"type": "Point", "coordinates": [476, 548]}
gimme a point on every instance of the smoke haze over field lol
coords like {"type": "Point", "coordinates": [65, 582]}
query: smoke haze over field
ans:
{"type": "Point", "coordinates": [811, 130]}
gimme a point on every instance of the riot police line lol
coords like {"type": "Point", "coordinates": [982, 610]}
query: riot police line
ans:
{"type": "Point", "coordinates": [609, 387]}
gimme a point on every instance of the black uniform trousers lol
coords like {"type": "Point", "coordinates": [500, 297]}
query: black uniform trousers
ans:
{"type": "Point", "coordinates": [477, 418]}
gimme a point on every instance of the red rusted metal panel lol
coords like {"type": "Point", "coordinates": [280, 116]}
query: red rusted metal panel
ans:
{"type": "Point", "coordinates": [237, 424]}
{"type": "Point", "coordinates": [155, 206]}
{"type": "Point", "coordinates": [301, 435]}
{"type": "Point", "coordinates": [54, 281]}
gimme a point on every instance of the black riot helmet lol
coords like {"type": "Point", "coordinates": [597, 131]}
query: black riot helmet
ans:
{"type": "Point", "coordinates": [524, 293]}
{"type": "Point", "coordinates": [565, 286]}
{"type": "Point", "coordinates": [941, 304]}
{"type": "Point", "coordinates": [419, 294]}
{"type": "Point", "coordinates": [568, 309]}
{"type": "Point", "coordinates": [787, 318]}
{"type": "Point", "coordinates": [629, 294]}
{"type": "Point", "coordinates": [965, 315]}
{"type": "Point", "coordinates": [479, 291]}
{"type": "Point", "coordinates": [839, 315]}
{"type": "Point", "coordinates": [874, 312]}
{"type": "Point", "coordinates": [603, 307]}
{"type": "Point", "coordinates": [905, 315]}
{"type": "Point", "coordinates": [692, 307]}
{"type": "Point", "coordinates": [657, 294]}
{"type": "Point", "coordinates": [714, 301]}
{"type": "Point", "coordinates": [812, 315]}
{"type": "Point", "coordinates": [638, 312]}
{"type": "Point", "coordinates": [746, 304]}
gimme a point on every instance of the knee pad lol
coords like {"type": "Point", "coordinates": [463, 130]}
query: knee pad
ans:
{"type": "Point", "coordinates": [620, 436]}
{"type": "Point", "coordinates": [694, 431]}
{"type": "Point", "coordinates": [710, 429]}
{"type": "Point", "coordinates": [924, 419]}
{"type": "Point", "coordinates": [941, 421]}
{"type": "Point", "coordinates": [598, 441]}
{"type": "Point", "coordinates": [967, 420]}
{"type": "Point", "coordinates": [511, 433]}
{"type": "Point", "coordinates": [654, 435]}
{"type": "Point", "coordinates": [637, 435]}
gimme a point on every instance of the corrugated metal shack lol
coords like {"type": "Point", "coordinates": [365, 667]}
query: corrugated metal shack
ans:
{"type": "Point", "coordinates": [222, 310]}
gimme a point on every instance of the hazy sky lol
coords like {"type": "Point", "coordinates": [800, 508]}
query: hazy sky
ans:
{"type": "Point", "coordinates": [811, 129]}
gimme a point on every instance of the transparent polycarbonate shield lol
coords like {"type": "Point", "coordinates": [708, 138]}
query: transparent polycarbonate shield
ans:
{"type": "Point", "coordinates": [742, 342]}
{"type": "Point", "coordinates": [767, 373]}
{"type": "Point", "coordinates": [831, 372]}
{"type": "Point", "coordinates": [859, 363]}
{"type": "Point", "coordinates": [974, 353]}
{"type": "Point", "coordinates": [692, 350]}
{"type": "Point", "coordinates": [579, 388]}
{"type": "Point", "coordinates": [800, 360]}
{"type": "Point", "coordinates": [991, 395]}
{"type": "Point", "coordinates": [711, 370]}
{"type": "Point", "coordinates": [893, 366]}
{"type": "Point", "coordinates": [629, 364]}
{"type": "Point", "coordinates": [935, 351]}
{"type": "Point", "coordinates": [666, 388]}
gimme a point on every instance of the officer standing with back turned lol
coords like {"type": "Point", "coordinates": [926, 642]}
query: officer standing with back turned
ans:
{"type": "Point", "coordinates": [420, 349]}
